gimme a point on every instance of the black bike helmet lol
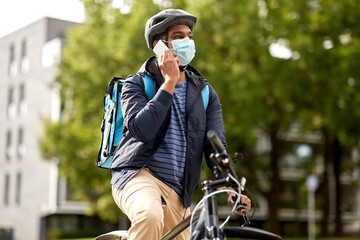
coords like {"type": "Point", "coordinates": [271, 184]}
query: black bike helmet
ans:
{"type": "Point", "coordinates": [161, 22]}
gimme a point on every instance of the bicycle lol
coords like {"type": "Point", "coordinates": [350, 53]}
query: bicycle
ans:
{"type": "Point", "coordinates": [203, 221]}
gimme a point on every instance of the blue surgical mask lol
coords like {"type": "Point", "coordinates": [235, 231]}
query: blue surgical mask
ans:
{"type": "Point", "coordinates": [185, 49]}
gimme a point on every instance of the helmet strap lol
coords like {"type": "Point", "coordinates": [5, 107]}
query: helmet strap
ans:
{"type": "Point", "coordinates": [182, 68]}
{"type": "Point", "coordinates": [167, 38]}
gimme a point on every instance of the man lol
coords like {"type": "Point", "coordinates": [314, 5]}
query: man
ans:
{"type": "Point", "coordinates": [157, 165]}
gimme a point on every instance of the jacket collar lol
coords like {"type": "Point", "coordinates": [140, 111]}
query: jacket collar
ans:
{"type": "Point", "coordinates": [151, 68]}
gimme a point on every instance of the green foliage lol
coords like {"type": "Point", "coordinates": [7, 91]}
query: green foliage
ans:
{"type": "Point", "coordinates": [315, 87]}
{"type": "Point", "coordinates": [328, 42]}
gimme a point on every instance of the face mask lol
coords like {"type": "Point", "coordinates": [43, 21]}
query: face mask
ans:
{"type": "Point", "coordinates": [185, 49]}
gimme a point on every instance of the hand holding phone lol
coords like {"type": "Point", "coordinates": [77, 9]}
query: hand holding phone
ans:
{"type": "Point", "coordinates": [159, 48]}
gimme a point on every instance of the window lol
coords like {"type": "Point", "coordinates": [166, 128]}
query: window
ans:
{"type": "Point", "coordinates": [22, 101]}
{"type": "Point", "coordinates": [51, 52]}
{"type": "Point", "coordinates": [12, 62]}
{"type": "Point", "coordinates": [11, 104]}
{"type": "Point", "coordinates": [18, 188]}
{"type": "Point", "coordinates": [12, 53]}
{"type": "Point", "coordinates": [6, 189]}
{"type": "Point", "coordinates": [296, 156]}
{"type": "Point", "coordinates": [23, 49]}
{"type": "Point", "coordinates": [8, 149]}
{"type": "Point", "coordinates": [21, 146]}
{"type": "Point", "coordinates": [24, 64]}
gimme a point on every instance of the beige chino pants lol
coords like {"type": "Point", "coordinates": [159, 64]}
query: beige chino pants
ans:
{"type": "Point", "coordinates": [152, 207]}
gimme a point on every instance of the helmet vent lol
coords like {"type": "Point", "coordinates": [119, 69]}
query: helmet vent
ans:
{"type": "Point", "coordinates": [157, 20]}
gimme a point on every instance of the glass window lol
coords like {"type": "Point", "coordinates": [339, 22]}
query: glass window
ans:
{"type": "Point", "coordinates": [11, 104]}
{"type": "Point", "coordinates": [23, 49]}
{"type": "Point", "coordinates": [22, 101]}
{"type": "Point", "coordinates": [6, 189]}
{"type": "Point", "coordinates": [12, 62]}
{"type": "Point", "coordinates": [11, 96]}
{"type": "Point", "coordinates": [51, 52]}
{"type": "Point", "coordinates": [296, 155]}
{"type": "Point", "coordinates": [21, 145]}
{"type": "Point", "coordinates": [8, 145]}
{"type": "Point", "coordinates": [12, 53]}
{"type": "Point", "coordinates": [18, 188]}
{"type": "Point", "coordinates": [24, 67]}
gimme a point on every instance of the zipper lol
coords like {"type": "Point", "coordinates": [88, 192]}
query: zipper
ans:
{"type": "Point", "coordinates": [187, 145]}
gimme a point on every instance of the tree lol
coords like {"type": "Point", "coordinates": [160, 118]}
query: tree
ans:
{"type": "Point", "coordinates": [272, 92]}
{"type": "Point", "coordinates": [234, 43]}
{"type": "Point", "coordinates": [328, 42]}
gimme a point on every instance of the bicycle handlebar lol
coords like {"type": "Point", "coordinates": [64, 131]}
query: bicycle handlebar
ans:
{"type": "Point", "coordinates": [222, 159]}
{"type": "Point", "coordinates": [216, 143]}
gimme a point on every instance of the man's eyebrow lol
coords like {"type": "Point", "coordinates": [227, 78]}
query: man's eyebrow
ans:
{"type": "Point", "coordinates": [181, 32]}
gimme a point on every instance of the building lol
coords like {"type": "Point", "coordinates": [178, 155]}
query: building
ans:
{"type": "Point", "coordinates": [299, 152]}
{"type": "Point", "coordinates": [30, 189]}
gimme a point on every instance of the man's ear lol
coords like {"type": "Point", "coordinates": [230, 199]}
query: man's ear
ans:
{"type": "Point", "coordinates": [154, 43]}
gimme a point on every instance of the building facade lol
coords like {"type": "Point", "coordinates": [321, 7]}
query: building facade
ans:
{"type": "Point", "coordinates": [30, 188]}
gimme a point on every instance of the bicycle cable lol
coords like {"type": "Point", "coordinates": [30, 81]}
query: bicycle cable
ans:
{"type": "Point", "coordinates": [215, 193]}
{"type": "Point", "coordinates": [253, 204]}
{"type": "Point", "coordinates": [236, 202]}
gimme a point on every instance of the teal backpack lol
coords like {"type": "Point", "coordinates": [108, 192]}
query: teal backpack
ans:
{"type": "Point", "coordinates": [112, 122]}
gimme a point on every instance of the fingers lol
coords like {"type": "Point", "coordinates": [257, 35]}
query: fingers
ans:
{"type": "Point", "coordinates": [244, 205]}
{"type": "Point", "coordinates": [168, 55]}
{"type": "Point", "coordinates": [169, 65]}
{"type": "Point", "coordinates": [246, 200]}
{"type": "Point", "coordinates": [169, 58]}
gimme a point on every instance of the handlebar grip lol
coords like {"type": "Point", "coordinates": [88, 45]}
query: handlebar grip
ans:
{"type": "Point", "coordinates": [216, 142]}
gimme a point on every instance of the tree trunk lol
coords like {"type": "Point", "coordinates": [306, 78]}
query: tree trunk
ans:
{"type": "Point", "coordinates": [273, 196]}
{"type": "Point", "coordinates": [325, 187]}
{"type": "Point", "coordinates": [337, 171]}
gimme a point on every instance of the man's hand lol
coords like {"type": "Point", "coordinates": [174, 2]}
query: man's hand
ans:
{"type": "Point", "coordinates": [243, 199]}
{"type": "Point", "coordinates": [169, 66]}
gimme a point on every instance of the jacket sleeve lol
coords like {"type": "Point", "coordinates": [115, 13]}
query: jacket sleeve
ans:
{"type": "Point", "coordinates": [143, 118]}
{"type": "Point", "coordinates": [214, 121]}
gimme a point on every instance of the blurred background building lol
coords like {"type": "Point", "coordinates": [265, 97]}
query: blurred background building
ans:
{"type": "Point", "coordinates": [33, 198]}
{"type": "Point", "coordinates": [299, 151]}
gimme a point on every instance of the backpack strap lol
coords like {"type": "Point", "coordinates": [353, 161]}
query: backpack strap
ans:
{"type": "Point", "coordinates": [149, 86]}
{"type": "Point", "coordinates": [205, 96]}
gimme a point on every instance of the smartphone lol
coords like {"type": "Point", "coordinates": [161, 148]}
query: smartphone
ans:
{"type": "Point", "coordinates": [159, 48]}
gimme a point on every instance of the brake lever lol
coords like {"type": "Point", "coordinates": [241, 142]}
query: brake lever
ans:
{"type": "Point", "coordinates": [242, 206]}
{"type": "Point", "coordinates": [246, 218]}
{"type": "Point", "coordinates": [223, 164]}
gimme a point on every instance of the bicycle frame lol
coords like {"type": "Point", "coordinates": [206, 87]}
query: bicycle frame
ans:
{"type": "Point", "coordinates": [211, 219]}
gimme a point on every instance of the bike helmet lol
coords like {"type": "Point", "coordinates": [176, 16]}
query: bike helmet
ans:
{"type": "Point", "coordinates": [161, 22]}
